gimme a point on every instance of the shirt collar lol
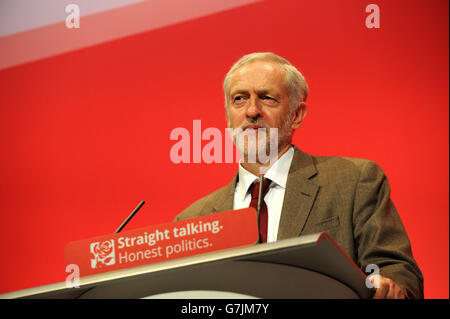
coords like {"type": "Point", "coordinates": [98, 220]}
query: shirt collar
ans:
{"type": "Point", "coordinates": [278, 173]}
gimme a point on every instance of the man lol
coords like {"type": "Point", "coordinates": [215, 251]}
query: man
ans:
{"type": "Point", "coordinates": [347, 198]}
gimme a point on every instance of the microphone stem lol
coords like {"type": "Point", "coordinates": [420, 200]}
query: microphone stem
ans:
{"type": "Point", "coordinates": [130, 216]}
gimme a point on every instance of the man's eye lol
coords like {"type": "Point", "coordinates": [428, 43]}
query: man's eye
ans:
{"type": "Point", "coordinates": [239, 99]}
{"type": "Point", "coordinates": [269, 100]}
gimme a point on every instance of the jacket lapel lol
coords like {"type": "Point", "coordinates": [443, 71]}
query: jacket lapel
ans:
{"type": "Point", "coordinates": [299, 197]}
{"type": "Point", "coordinates": [224, 199]}
{"type": "Point", "coordinates": [298, 200]}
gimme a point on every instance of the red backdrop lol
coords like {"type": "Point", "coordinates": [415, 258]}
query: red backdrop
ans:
{"type": "Point", "coordinates": [86, 135]}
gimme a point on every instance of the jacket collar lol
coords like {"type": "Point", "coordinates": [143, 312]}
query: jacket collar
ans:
{"type": "Point", "coordinates": [299, 197]}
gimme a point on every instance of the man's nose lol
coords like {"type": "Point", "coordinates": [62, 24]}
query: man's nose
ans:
{"type": "Point", "coordinates": [253, 109]}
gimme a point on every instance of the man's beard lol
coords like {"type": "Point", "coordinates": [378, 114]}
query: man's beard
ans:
{"type": "Point", "coordinates": [263, 144]}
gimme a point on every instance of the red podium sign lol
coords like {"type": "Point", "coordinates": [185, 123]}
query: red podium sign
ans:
{"type": "Point", "coordinates": [163, 242]}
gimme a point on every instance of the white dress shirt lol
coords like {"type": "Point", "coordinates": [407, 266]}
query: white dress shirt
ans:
{"type": "Point", "coordinates": [278, 174]}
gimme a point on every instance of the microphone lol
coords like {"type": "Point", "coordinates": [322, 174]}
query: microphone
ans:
{"type": "Point", "coordinates": [130, 216]}
{"type": "Point", "coordinates": [117, 230]}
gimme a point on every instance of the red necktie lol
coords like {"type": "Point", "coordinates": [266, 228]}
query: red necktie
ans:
{"type": "Point", "coordinates": [263, 216]}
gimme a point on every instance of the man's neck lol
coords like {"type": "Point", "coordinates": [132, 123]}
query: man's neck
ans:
{"type": "Point", "coordinates": [259, 169]}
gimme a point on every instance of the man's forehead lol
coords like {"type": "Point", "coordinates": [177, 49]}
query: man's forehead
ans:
{"type": "Point", "coordinates": [259, 73]}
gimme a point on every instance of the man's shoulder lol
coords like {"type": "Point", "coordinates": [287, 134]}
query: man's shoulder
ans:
{"type": "Point", "coordinates": [340, 162]}
{"type": "Point", "coordinates": [333, 167]}
{"type": "Point", "coordinates": [339, 167]}
{"type": "Point", "coordinates": [204, 205]}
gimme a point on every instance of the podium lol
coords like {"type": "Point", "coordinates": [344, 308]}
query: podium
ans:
{"type": "Point", "coordinates": [310, 266]}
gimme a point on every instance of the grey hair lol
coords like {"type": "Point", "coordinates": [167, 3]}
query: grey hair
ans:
{"type": "Point", "coordinates": [295, 85]}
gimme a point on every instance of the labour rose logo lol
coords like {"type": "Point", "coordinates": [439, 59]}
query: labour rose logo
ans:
{"type": "Point", "coordinates": [104, 254]}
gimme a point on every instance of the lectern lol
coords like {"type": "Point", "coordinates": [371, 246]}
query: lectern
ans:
{"type": "Point", "coordinates": [310, 266]}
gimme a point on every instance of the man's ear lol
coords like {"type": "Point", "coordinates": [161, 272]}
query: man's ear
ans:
{"type": "Point", "coordinates": [299, 115]}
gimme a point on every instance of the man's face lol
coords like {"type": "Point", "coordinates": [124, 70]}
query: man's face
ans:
{"type": "Point", "coordinates": [258, 99]}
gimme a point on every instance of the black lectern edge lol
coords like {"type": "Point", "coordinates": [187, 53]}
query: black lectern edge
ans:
{"type": "Point", "coordinates": [122, 274]}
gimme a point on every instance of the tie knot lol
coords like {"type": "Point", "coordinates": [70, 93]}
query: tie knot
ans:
{"type": "Point", "coordinates": [255, 188]}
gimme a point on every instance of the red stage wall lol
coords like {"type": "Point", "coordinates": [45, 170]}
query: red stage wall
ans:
{"type": "Point", "coordinates": [86, 135]}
